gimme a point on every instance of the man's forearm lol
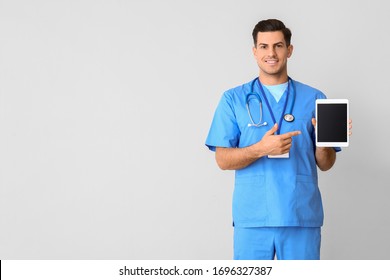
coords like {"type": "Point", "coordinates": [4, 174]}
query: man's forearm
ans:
{"type": "Point", "coordinates": [325, 157]}
{"type": "Point", "coordinates": [235, 158]}
{"type": "Point", "coordinates": [270, 144]}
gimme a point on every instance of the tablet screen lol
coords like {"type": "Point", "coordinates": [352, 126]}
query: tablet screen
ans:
{"type": "Point", "coordinates": [332, 123]}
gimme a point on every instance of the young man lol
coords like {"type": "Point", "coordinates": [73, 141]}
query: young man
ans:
{"type": "Point", "coordinates": [264, 130]}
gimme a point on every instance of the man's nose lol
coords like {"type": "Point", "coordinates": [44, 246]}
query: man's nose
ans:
{"type": "Point", "coordinates": [271, 52]}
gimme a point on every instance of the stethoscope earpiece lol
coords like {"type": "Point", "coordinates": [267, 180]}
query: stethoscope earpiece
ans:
{"type": "Point", "coordinates": [257, 124]}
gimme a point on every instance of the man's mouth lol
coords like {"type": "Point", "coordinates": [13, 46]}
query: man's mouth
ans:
{"type": "Point", "coordinates": [271, 61]}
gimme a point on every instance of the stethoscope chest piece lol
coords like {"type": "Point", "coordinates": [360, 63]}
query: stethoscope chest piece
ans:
{"type": "Point", "coordinates": [289, 118]}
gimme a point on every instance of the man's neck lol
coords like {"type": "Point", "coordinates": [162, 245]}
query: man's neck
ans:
{"type": "Point", "coordinates": [271, 80]}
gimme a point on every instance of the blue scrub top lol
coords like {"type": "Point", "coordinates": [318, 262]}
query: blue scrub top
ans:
{"type": "Point", "coordinates": [271, 192]}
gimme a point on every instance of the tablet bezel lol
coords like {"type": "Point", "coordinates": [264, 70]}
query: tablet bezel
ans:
{"type": "Point", "coordinates": [332, 101]}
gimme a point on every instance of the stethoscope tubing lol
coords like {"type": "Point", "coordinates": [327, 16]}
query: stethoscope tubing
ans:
{"type": "Point", "coordinates": [286, 116]}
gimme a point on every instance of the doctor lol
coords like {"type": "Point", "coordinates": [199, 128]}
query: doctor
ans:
{"type": "Point", "coordinates": [264, 130]}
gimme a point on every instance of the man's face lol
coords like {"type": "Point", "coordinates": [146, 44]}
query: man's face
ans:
{"type": "Point", "coordinates": [271, 53]}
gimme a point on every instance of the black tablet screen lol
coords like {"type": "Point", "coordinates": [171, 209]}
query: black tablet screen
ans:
{"type": "Point", "coordinates": [332, 122]}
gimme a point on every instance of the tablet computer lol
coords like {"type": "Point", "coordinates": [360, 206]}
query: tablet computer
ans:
{"type": "Point", "coordinates": [332, 122]}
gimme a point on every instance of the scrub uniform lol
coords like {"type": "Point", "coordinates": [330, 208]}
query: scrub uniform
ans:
{"type": "Point", "coordinates": [271, 193]}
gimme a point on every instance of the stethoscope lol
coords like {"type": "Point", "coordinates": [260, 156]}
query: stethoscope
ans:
{"type": "Point", "coordinates": [287, 116]}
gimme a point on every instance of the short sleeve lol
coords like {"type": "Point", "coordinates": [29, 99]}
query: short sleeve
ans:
{"type": "Point", "coordinates": [224, 131]}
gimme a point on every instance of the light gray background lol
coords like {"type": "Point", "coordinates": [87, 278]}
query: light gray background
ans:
{"type": "Point", "coordinates": [105, 107]}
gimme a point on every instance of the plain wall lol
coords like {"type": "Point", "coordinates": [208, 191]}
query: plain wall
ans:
{"type": "Point", "coordinates": [105, 107]}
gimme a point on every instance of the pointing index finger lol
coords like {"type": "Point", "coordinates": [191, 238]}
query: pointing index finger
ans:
{"type": "Point", "coordinates": [290, 134]}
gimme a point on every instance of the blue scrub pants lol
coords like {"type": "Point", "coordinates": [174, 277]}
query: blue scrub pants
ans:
{"type": "Point", "coordinates": [287, 243]}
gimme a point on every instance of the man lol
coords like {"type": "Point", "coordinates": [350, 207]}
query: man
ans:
{"type": "Point", "coordinates": [264, 130]}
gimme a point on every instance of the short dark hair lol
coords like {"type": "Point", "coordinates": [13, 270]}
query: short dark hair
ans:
{"type": "Point", "coordinates": [271, 25]}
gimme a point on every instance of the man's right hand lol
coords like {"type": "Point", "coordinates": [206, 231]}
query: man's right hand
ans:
{"type": "Point", "coordinates": [272, 144]}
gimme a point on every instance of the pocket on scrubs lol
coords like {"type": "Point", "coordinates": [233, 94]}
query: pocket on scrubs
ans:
{"type": "Point", "coordinates": [309, 203]}
{"type": "Point", "coordinates": [249, 200]}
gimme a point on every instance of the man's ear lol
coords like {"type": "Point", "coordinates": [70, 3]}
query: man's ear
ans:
{"type": "Point", "coordinates": [290, 50]}
{"type": "Point", "coordinates": [254, 50]}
